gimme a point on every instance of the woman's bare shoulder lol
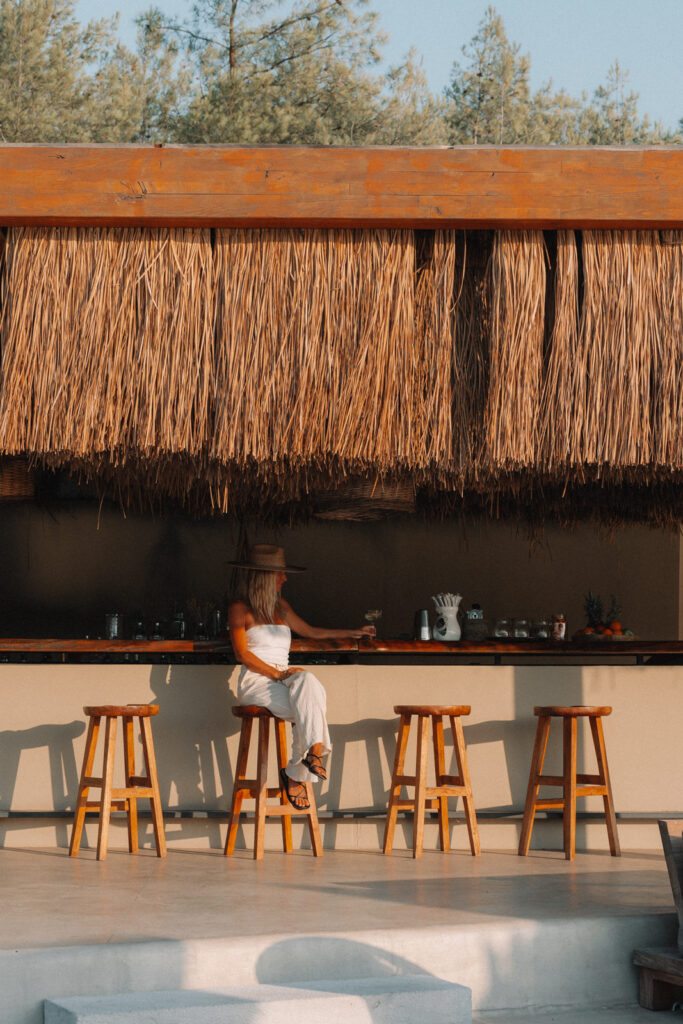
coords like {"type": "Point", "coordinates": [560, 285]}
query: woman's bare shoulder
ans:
{"type": "Point", "coordinates": [239, 612]}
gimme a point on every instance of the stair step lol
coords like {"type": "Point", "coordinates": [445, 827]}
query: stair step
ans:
{"type": "Point", "coordinates": [629, 1013]}
{"type": "Point", "coordinates": [402, 999]}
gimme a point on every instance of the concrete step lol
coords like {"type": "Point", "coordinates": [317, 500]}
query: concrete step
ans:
{"type": "Point", "coordinates": [508, 965]}
{"type": "Point", "coordinates": [615, 1014]}
{"type": "Point", "coordinates": [401, 1000]}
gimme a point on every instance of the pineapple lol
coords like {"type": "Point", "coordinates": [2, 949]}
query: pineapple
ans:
{"type": "Point", "coordinates": [614, 613]}
{"type": "Point", "coordinates": [593, 608]}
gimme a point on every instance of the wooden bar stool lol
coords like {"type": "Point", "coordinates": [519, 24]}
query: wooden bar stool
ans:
{"type": "Point", "coordinates": [137, 786]}
{"type": "Point", "coordinates": [572, 785]}
{"type": "Point", "coordinates": [257, 789]}
{"type": "Point", "coordinates": [446, 785]}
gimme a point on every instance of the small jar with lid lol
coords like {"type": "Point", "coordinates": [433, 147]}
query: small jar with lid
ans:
{"type": "Point", "coordinates": [520, 630]}
{"type": "Point", "coordinates": [541, 629]}
{"type": "Point", "coordinates": [502, 629]}
{"type": "Point", "coordinates": [558, 627]}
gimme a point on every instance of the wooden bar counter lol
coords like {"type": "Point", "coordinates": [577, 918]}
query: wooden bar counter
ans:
{"type": "Point", "coordinates": [533, 649]}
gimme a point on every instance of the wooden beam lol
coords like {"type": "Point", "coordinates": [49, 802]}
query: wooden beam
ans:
{"type": "Point", "coordinates": [475, 187]}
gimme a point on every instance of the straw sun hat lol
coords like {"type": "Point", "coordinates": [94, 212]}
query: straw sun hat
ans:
{"type": "Point", "coordinates": [267, 558]}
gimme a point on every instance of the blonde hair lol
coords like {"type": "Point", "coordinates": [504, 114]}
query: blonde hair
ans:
{"type": "Point", "coordinates": [261, 595]}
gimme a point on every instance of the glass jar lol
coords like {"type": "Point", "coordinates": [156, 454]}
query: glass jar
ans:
{"type": "Point", "coordinates": [502, 629]}
{"type": "Point", "coordinates": [178, 626]}
{"type": "Point", "coordinates": [559, 627]}
{"type": "Point", "coordinates": [541, 629]}
{"type": "Point", "coordinates": [520, 629]}
{"type": "Point", "coordinates": [113, 626]}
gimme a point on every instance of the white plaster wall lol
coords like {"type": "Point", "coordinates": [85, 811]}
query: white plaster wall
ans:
{"type": "Point", "coordinates": [41, 742]}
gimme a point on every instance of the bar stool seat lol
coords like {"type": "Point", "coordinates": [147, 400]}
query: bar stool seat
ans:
{"type": "Point", "coordinates": [137, 786]}
{"type": "Point", "coordinates": [446, 785]}
{"type": "Point", "coordinates": [257, 789]}
{"type": "Point", "coordinates": [573, 785]}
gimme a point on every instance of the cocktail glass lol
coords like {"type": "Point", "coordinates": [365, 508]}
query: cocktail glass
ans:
{"type": "Point", "coordinates": [373, 615]}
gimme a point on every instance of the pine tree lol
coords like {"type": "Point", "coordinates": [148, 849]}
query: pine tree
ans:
{"type": "Point", "coordinates": [490, 97]}
{"type": "Point", "coordinates": [613, 118]}
{"type": "Point", "coordinates": [138, 96]}
{"type": "Point", "coordinates": [307, 77]}
{"type": "Point", "coordinates": [46, 63]}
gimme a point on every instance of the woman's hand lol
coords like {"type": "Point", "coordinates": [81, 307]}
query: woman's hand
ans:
{"type": "Point", "coordinates": [285, 673]}
{"type": "Point", "coordinates": [363, 631]}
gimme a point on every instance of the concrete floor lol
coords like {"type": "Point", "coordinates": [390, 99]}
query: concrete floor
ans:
{"type": "Point", "coordinates": [522, 933]}
{"type": "Point", "coordinates": [51, 899]}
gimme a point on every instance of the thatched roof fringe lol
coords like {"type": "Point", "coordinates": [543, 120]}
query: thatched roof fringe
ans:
{"type": "Point", "coordinates": [516, 355]}
{"type": "Point", "coordinates": [254, 369]}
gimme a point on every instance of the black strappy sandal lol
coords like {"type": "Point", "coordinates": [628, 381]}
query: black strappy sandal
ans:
{"type": "Point", "coordinates": [285, 780]}
{"type": "Point", "coordinates": [314, 763]}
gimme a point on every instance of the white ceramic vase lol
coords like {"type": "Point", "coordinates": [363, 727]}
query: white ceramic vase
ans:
{"type": "Point", "coordinates": [446, 626]}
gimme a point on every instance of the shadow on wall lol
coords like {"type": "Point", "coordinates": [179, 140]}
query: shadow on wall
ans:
{"type": "Point", "coordinates": [58, 739]}
{"type": "Point", "coordinates": [191, 743]}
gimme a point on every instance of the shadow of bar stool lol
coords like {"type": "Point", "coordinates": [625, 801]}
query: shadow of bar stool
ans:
{"type": "Point", "coordinates": [137, 786]}
{"type": "Point", "coordinates": [446, 785]}
{"type": "Point", "coordinates": [573, 785]}
{"type": "Point", "coordinates": [257, 789]}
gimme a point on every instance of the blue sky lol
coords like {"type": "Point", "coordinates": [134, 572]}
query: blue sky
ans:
{"type": "Point", "coordinates": [573, 43]}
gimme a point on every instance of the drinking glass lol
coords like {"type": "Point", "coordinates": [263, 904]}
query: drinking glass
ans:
{"type": "Point", "coordinates": [373, 615]}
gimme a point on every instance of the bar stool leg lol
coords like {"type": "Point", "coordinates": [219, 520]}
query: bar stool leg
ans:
{"type": "Point", "coordinates": [395, 790]}
{"type": "Point", "coordinates": [537, 759]}
{"type": "Point", "coordinates": [440, 768]}
{"type": "Point", "coordinates": [107, 779]}
{"type": "Point", "coordinates": [150, 761]}
{"type": "Point", "coordinates": [464, 773]}
{"type": "Point", "coordinates": [83, 786]}
{"type": "Point", "coordinates": [569, 789]}
{"type": "Point", "coordinates": [129, 767]}
{"type": "Point", "coordinates": [420, 784]}
{"type": "Point", "coordinates": [313, 826]}
{"type": "Point", "coordinates": [603, 771]}
{"type": "Point", "coordinates": [281, 747]}
{"type": "Point", "coordinates": [261, 790]}
{"type": "Point", "coordinates": [239, 791]}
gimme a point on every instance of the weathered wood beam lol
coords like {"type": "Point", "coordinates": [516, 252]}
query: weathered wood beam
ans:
{"type": "Point", "coordinates": [366, 187]}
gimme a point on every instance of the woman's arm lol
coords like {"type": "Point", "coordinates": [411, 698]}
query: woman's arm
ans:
{"type": "Point", "coordinates": [237, 622]}
{"type": "Point", "coordinates": [297, 625]}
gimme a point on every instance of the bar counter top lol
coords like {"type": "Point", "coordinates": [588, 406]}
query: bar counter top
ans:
{"type": "Point", "coordinates": [353, 649]}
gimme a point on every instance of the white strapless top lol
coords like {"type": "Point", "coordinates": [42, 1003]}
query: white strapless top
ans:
{"type": "Point", "coordinates": [270, 643]}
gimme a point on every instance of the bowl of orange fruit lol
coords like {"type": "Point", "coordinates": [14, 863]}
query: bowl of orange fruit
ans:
{"type": "Point", "coordinates": [603, 624]}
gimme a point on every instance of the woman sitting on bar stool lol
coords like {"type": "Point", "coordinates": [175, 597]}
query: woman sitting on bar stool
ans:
{"type": "Point", "coordinates": [261, 626]}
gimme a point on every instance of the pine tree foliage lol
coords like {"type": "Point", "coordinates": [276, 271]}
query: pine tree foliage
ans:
{"type": "Point", "coordinates": [303, 72]}
{"type": "Point", "coordinates": [46, 64]}
{"type": "Point", "coordinates": [490, 102]}
{"type": "Point", "coordinates": [138, 96]}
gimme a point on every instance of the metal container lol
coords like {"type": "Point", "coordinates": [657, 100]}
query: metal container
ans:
{"type": "Point", "coordinates": [422, 630]}
{"type": "Point", "coordinates": [113, 626]}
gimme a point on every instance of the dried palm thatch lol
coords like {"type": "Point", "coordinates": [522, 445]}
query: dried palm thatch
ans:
{"type": "Point", "coordinates": [276, 372]}
{"type": "Point", "coordinates": [516, 358]}
{"type": "Point", "coordinates": [315, 349]}
{"type": "Point", "coordinates": [435, 254]}
{"type": "Point", "coordinates": [471, 332]}
{"type": "Point", "coordinates": [618, 335]}
{"type": "Point", "coordinates": [667, 396]}
{"type": "Point", "coordinates": [564, 385]}
{"type": "Point", "coordinates": [107, 341]}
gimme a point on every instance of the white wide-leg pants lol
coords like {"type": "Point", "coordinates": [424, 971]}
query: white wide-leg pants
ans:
{"type": "Point", "coordinates": [300, 700]}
